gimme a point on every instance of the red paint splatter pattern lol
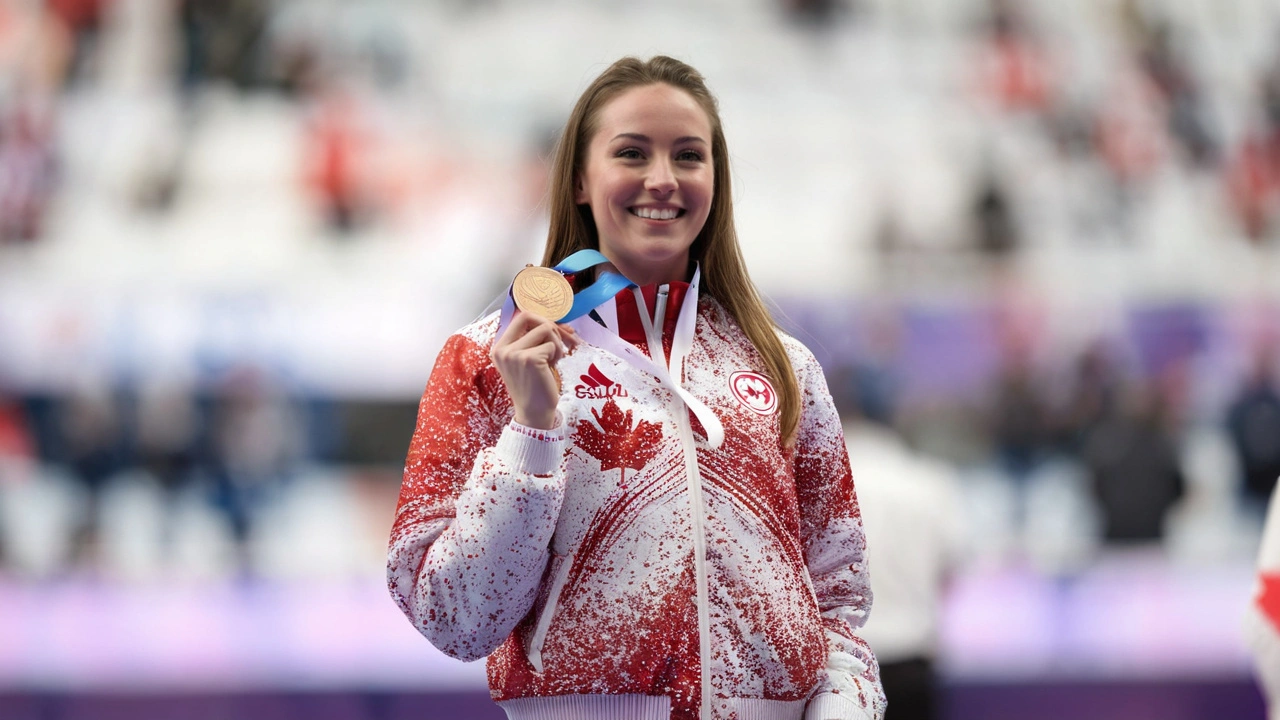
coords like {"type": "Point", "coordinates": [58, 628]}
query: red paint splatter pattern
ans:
{"type": "Point", "coordinates": [597, 546]}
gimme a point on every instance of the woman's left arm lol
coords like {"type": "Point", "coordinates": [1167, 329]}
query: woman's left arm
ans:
{"type": "Point", "coordinates": [834, 545]}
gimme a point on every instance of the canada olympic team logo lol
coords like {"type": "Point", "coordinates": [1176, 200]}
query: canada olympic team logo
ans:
{"type": "Point", "coordinates": [754, 391]}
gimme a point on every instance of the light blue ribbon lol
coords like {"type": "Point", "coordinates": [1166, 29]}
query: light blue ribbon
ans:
{"type": "Point", "coordinates": [607, 283]}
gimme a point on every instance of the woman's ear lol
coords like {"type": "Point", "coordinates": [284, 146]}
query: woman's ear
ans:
{"type": "Point", "coordinates": [580, 196]}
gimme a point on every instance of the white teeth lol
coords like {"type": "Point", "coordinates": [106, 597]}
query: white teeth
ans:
{"type": "Point", "coordinates": [655, 214]}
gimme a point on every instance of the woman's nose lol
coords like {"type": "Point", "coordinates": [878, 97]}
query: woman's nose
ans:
{"type": "Point", "coordinates": [661, 178]}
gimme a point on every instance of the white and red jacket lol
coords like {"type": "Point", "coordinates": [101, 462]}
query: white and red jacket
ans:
{"type": "Point", "coordinates": [1262, 620]}
{"type": "Point", "coordinates": [659, 555]}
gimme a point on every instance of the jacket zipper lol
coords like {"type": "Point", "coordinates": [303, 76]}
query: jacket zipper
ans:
{"type": "Point", "coordinates": [699, 553]}
{"type": "Point", "coordinates": [653, 334]}
{"type": "Point", "coordinates": [659, 322]}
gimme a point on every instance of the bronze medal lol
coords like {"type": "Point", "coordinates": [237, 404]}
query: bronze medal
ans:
{"type": "Point", "coordinates": [543, 292]}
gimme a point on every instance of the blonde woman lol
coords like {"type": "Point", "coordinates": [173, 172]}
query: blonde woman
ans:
{"type": "Point", "coordinates": [646, 512]}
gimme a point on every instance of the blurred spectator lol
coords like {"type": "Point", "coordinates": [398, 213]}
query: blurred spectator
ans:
{"type": "Point", "coordinates": [816, 14]}
{"type": "Point", "coordinates": [1253, 181]}
{"type": "Point", "coordinates": [27, 168]}
{"type": "Point", "coordinates": [16, 450]}
{"type": "Point", "coordinates": [1130, 134]}
{"type": "Point", "coordinates": [996, 232]}
{"type": "Point", "coordinates": [167, 435]}
{"type": "Point", "coordinates": [222, 40]}
{"type": "Point", "coordinates": [294, 63]}
{"type": "Point", "coordinates": [15, 440]}
{"type": "Point", "coordinates": [1253, 172]}
{"type": "Point", "coordinates": [338, 147]}
{"type": "Point", "coordinates": [91, 430]}
{"type": "Point", "coordinates": [256, 441]}
{"type": "Point", "coordinates": [1253, 421]}
{"type": "Point", "coordinates": [36, 48]}
{"type": "Point", "coordinates": [1173, 78]}
{"type": "Point", "coordinates": [1013, 67]}
{"type": "Point", "coordinates": [83, 21]}
{"type": "Point", "coordinates": [912, 514]}
{"type": "Point", "coordinates": [1134, 466]}
{"type": "Point", "coordinates": [1270, 91]}
{"type": "Point", "coordinates": [871, 385]}
{"type": "Point", "coordinates": [1020, 418]}
{"type": "Point", "coordinates": [1091, 395]}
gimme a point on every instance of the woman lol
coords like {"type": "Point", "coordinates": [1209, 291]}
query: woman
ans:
{"type": "Point", "coordinates": [646, 512]}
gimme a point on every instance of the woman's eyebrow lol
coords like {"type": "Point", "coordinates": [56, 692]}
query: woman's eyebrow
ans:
{"type": "Point", "coordinates": [639, 137]}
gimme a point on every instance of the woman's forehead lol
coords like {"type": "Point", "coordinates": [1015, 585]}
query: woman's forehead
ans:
{"type": "Point", "coordinates": [653, 107]}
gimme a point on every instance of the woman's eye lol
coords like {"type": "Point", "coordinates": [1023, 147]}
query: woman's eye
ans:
{"type": "Point", "coordinates": [689, 156]}
{"type": "Point", "coordinates": [629, 153]}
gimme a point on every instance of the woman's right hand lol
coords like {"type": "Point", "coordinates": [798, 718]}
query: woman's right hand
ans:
{"type": "Point", "coordinates": [525, 355]}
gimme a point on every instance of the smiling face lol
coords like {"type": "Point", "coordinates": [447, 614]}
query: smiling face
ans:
{"type": "Point", "coordinates": [648, 178]}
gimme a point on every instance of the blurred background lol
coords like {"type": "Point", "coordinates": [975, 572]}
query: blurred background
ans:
{"type": "Point", "coordinates": [1035, 245]}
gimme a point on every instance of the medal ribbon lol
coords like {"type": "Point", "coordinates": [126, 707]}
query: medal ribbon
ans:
{"type": "Point", "coordinates": [607, 283]}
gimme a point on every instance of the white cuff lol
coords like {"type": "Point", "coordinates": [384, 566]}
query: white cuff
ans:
{"type": "Point", "coordinates": [532, 450]}
{"type": "Point", "coordinates": [831, 706]}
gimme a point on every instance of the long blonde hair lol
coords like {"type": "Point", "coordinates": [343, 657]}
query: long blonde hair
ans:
{"type": "Point", "coordinates": [724, 274]}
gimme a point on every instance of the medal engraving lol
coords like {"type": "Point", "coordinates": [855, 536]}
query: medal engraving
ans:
{"type": "Point", "coordinates": [543, 292]}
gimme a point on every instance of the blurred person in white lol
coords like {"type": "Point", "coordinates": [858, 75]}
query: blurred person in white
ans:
{"type": "Point", "coordinates": [1262, 619]}
{"type": "Point", "coordinates": [671, 533]}
{"type": "Point", "coordinates": [916, 539]}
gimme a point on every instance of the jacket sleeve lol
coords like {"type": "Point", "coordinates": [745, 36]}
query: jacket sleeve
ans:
{"type": "Point", "coordinates": [834, 545]}
{"type": "Point", "coordinates": [1262, 620]}
{"type": "Point", "coordinates": [477, 509]}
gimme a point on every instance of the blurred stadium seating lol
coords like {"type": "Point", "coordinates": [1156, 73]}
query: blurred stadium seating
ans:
{"type": "Point", "coordinates": [234, 235]}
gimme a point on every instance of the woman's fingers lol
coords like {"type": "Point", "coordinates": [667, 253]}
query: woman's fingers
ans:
{"type": "Point", "coordinates": [526, 355]}
{"type": "Point", "coordinates": [521, 324]}
{"type": "Point", "coordinates": [548, 352]}
{"type": "Point", "coordinates": [525, 324]}
{"type": "Point", "coordinates": [527, 331]}
{"type": "Point", "coordinates": [569, 337]}
{"type": "Point", "coordinates": [530, 346]}
{"type": "Point", "coordinates": [538, 342]}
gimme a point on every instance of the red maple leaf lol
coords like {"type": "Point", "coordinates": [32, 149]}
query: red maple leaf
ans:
{"type": "Point", "coordinates": [1268, 599]}
{"type": "Point", "coordinates": [617, 443]}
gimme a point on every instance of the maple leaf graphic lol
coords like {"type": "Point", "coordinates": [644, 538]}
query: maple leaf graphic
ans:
{"type": "Point", "coordinates": [756, 389]}
{"type": "Point", "coordinates": [617, 443]}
